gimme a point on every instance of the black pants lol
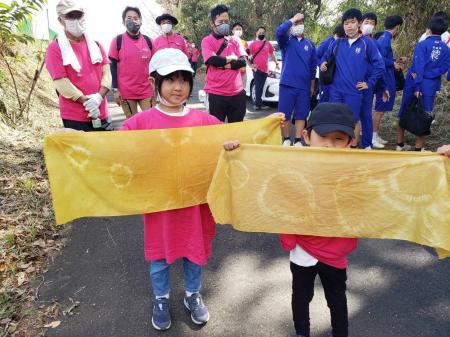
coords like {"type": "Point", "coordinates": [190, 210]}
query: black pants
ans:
{"type": "Point", "coordinates": [260, 79]}
{"type": "Point", "coordinates": [194, 67]}
{"type": "Point", "coordinates": [232, 108]}
{"type": "Point", "coordinates": [86, 126]}
{"type": "Point", "coordinates": [333, 282]}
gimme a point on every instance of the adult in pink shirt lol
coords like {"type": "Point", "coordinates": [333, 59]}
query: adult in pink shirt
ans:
{"type": "Point", "coordinates": [130, 55]}
{"type": "Point", "coordinates": [260, 49]}
{"type": "Point", "coordinates": [168, 38]}
{"type": "Point", "coordinates": [226, 97]}
{"type": "Point", "coordinates": [194, 59]}
{"type": "Point", "coordinates": [81, 82]}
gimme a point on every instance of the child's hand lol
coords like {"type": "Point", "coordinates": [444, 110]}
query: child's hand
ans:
{"type": "Point", "coordinates": [278, 115]}
{"type": "Point", "coordinates": [386, 96]}
{"type": "Point", "coordinates": [362, 86]}
{"type": "Point", "coordinates": [444, 150]}
{"type": "Point", "coordinates": [231, 145]}
{"type": "Point", "coordinates": [323, 67]}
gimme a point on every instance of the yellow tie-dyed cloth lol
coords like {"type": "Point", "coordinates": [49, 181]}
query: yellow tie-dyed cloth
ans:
{"type": "Point", "coordinates": [137, 172]}
{"type": "Point", "coordinates": [335, 193]}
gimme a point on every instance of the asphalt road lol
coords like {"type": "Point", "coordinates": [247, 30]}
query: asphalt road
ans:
{"type": "Point", "coordinates": [395, 289]}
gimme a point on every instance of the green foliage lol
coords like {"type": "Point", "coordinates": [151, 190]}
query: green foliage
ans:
{"type": "Point", "coordinates": [13, 17]}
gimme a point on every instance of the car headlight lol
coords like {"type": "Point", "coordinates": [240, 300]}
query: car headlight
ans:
{"type": "Point", "coordinates": [274, 74]}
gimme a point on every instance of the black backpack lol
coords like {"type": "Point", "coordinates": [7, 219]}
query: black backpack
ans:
{"type": "Point", "coordinates": [119, 42]}
{"type": "Point", "coordinates": [326, 77]}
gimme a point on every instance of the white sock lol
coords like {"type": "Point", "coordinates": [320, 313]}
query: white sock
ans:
{"type": "Point", "coordinates": [375, 135]}
{"type": "Point", "coordinates": [189, 294]}
{"type": "Point", "coordinates": [163, 296]}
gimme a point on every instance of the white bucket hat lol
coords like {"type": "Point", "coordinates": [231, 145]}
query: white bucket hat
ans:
{"type": "Point", "coordinates": [168, 60]}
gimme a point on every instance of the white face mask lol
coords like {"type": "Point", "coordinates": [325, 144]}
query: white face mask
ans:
{"type": "Point", "coordinates": [367, 29]}
{"type": "Point", "coordinates": [76, 27]}
{"type": "Point", "coordinates": [237, 33]}
{"type": "Point", "coordinates": [163, 101]}
{"type": "Point", "coordinates": [297, 30]}
{"type": "Point", "coordinates": [166, 28]}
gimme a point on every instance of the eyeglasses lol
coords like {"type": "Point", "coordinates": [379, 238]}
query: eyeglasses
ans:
{"type": "Point", "coordinates": [74, 15]}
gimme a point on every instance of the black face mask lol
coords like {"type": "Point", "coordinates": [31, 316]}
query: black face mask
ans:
{"type": "Point", "coordinates": [261, 37]}
{"type": "Point", "coordinates": [133, 27]}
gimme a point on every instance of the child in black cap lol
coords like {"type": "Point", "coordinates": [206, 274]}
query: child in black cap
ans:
{"type": "Point", "coordinates": [329, 125]}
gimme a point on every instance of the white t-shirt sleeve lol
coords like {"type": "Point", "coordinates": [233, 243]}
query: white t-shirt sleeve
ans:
{"type": "Point", "coordinates": [423, 37]}
{"type": "Point", "coordinates": [301, 258]}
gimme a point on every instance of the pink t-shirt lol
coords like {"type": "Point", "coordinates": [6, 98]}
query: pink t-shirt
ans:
{"type": "Point", "coordinates": [172, 41]}
{"type": "Point", "coordinates": [185, 232]}
{"type": "Point", "coordinates": [261, 61]}
{"type": "Point", "coordinates": [88, 80]}
{"type": "Point", "coordinates": [223, 82]}
{"type": "Point", "coordinates": [195, 55]}
{"type": "Point", "coordinates": [132, 67]}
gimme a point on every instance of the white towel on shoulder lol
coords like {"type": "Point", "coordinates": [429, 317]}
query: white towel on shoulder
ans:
{"type": "Point", "coordinates": [68, 55]}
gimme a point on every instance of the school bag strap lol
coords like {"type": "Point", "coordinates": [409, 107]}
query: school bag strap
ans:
{"type": "Point", "coordinates": [120, 37]}
{"type": "Point", "coordinates": [252, 57]}
{"type": "Point", "coordinates": [220, 50]}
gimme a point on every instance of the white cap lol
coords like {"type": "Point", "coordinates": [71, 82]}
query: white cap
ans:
{"type": "Point", "coordinates": [168, 60]}
{"type": "Point", "coordinates": [67, 6]}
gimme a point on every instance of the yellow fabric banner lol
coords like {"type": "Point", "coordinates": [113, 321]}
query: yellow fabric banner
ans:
{"type": "Point", "coordinates": [338, 193]}
{"type": "Point", "coordinates": [136, 172]}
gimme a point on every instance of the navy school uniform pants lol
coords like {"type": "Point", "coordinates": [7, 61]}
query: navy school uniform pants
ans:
{"type": "Point", "coordinates": [294, 101]}
{"type": "Point", "coordinates": [366, 118]}
{"type": "Point", "coordinates": [354, 101]}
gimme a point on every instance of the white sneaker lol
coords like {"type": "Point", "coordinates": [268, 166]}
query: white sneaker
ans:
{"type": "Point", "coordinates": [381, 140]}
{"type": "Point", "coordinates": [405, 147]}
{"type": "Point", "coordinates": [287, 142]}
{"type": "Point", "coordinates": [298, 144]}
{"type": "Point", "coordinates": [368, 148]}
{"type": "Point", "coordinates": [376, 144]}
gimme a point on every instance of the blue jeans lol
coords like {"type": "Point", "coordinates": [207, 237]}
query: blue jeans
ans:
{"type": "Point", "coordinates": [159, 274]}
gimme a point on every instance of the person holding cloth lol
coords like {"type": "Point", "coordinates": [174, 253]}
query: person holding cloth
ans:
{"type": "Point", "coordinates": [168, 38]}
{"type": "Point", "coordinates": [330, 125]}
{"type": "Point", "coordinates": [431, 60]}
{"type": "Point", "coordinates": [226, 97]}
{"type": "Point", "coordinates": [260, 49]}
{"type": "Point", "coordinates": [298, 74]}
{"type": "Point", "coordinates": [356, 55]}
{"type": "Point", "coordinates": [185, 233]}
{"type": "Point", "coordinates": [80, 72]}
{"type": "Point", "coordinates": [130, 55]}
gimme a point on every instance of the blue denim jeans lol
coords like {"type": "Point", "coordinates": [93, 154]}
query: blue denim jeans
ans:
{"type": "Point", "coordinates": [159, 274]}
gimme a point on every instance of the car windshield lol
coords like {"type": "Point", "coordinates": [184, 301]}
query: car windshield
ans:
{"type": "Point", "coordinates": [277, 52]}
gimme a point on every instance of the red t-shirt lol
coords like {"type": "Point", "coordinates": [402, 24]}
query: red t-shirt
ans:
{"type": "Point", "coordinates": [328, 250]}
{"type": "Point", "coordinates": [88, 80]}
{"type": "Point", "coordinates": [223, 82]}
{"type": "Point", "coordinates": [261, 61]}
{"type": "Point", "coordinates": [172, 41]}
{"type": "Point", "coordinates": [132, 67]}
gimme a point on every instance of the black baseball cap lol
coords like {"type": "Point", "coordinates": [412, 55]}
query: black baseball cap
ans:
{"type": "Point", "coordinates": [331, 117]}
{"type": "Point", "coordinates": [166, 16]}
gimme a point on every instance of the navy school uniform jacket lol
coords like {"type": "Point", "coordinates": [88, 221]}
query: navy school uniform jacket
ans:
{"type": "Point", "coordinates": [323, 47]}
{"type": "Point", "coordinates": [352, 64]}
{"type": "Point", "coordinates": [384, 44]}
{"type": "Point", "coordinates": [299, 59]}
{"type": "Point", "coordinates": [431, 60]}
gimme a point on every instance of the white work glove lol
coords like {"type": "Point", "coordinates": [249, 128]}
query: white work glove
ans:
{"type": "Point", "coordinates": [93, 102]}
{"type": "Point", "coordinates": [94, 113]}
